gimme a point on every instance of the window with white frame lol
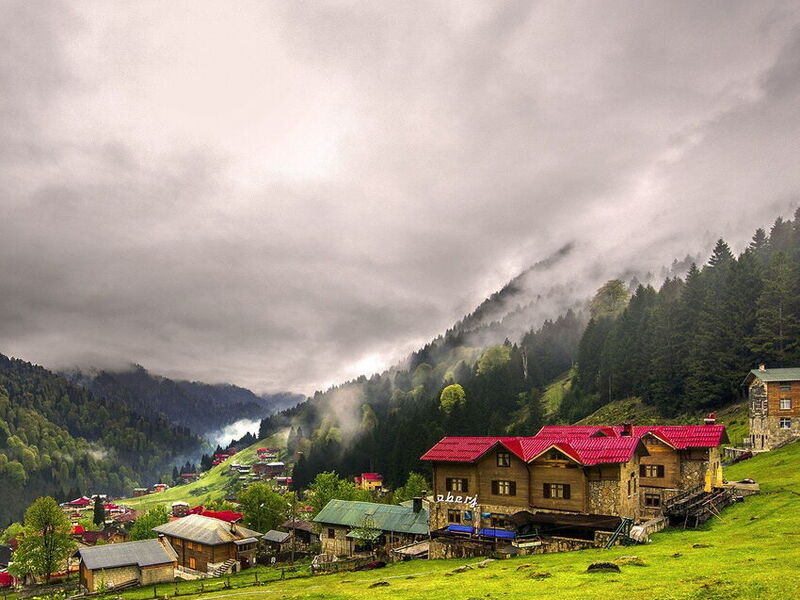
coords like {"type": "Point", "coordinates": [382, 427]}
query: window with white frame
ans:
{"type": "Point", "coordinates": [786, 403]}
{"type": "Point", "coordinates": [785, 423]}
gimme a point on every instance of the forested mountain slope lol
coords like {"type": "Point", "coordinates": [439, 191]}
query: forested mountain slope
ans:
{"type": "Point", "coordinates": [682, 348]}
{"type": "Point", "coordinates": [58, 439]}
{"type": "Point", "coordinates": [202, 407]}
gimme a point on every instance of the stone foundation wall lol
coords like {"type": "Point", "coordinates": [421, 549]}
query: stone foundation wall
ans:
{"type": "Point", "coordinates": [157, 574]}
{"type": "Point", "coordinates": [110, 578]}
{"type": "Point", "coordinates": [454, 548]}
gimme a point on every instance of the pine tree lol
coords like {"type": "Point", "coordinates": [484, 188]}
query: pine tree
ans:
{"type": "Point", "coordinates": [99, 516]}
{"type": "Point", "coordinates": [777, 326]}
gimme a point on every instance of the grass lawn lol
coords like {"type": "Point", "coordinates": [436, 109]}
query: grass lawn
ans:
{"type": "Point", "coordinates": [213, 485]}
{"type": "Point", "coordinates": [554, 393]}
{"type": "Point", "coordinates": [752, 552]}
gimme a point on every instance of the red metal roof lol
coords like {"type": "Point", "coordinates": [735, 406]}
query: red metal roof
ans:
{"type": "Point", "coordinates": [223, 515]}
{"type": "Point", "coordinates": [679, 436]}
{"type": "Point", "coordinates": [587, 451]}
{"type": "Point", "coordinates": [372, 476]}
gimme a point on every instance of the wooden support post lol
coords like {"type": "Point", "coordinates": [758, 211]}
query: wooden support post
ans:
{"type": "Point", "coordinates": [154, 591]}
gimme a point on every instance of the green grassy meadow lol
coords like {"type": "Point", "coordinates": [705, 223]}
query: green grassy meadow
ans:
{"type": "Point", "coordinates": [751, 552]}
{"type": "Point", "coordinates": [212, 486]}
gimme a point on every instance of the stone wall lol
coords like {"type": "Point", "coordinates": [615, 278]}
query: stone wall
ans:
{"type": "Point", "coordinates": [457, 548]}
{"type": "Point", "coordinates": [693, 472]}
{"type": "Point", "coordinates": [604, 497]}
{"type": "Point", "coordinates": [157, 574]}
{"type": "Point", "coordinates": [110, 578]}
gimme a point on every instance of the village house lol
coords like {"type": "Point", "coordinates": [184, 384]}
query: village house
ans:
{"type": "Point", "coordinates": [305, 538]}
{"type": "Point", "coordinates": [140, 491]}
{"type": "Point", "coordinates": [479, 482]}
{"type": "Point", "coordinates": [350, 527]}
{"type": "Point", "coordinates": [180, 509]}
{"type": "Point", "coordinates": [774, 403]}
{"type": "Point", "coordinates": [274, 540]}
{"type": "Point", "coordinates": [679, 457]}
{"type": "Point", "coordinates": [130, 563]}
{"type": "Point", "coordinates": [369, 481]}
{"type": "Point", "coordinates": [211, 545]}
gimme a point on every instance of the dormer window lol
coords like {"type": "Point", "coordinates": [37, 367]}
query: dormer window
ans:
{"type": "Point", "coordinates": [503, 459]}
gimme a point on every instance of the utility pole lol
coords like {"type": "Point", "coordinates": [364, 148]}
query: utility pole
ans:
{"type": "Point", "coordinates": [294, 527]}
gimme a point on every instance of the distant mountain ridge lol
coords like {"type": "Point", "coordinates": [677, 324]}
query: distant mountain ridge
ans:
{"type": "Point", "coordinates": [59, 439]}
{"type": "Point", "coordinates": [202, 407]}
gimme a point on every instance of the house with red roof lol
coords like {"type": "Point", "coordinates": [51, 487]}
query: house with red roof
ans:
{"type": "Point", "coordinates": [369, 481]}
{"type": "Point", "coordinates": [679, 457]}
{"type": "Point", "coordinates": [593, 474]}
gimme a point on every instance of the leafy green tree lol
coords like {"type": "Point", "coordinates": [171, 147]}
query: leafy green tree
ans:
{"type": "Point", "coordinates": [263, 507]}
{"type": "Point", "coordinates": [46, 543]}
{"type": "Point", "coordinates": [452, 397]}
{"type": "Point", "coordinates": [11, 531]}
{"type": "Point", "coordinates": [99, 515]}
{"type": "Point", "coordinates": [610, 300]}
{"type": "Point", "coordinates": [416, 485]}
{"type": "Point", "coordinates": [492, 359]}
{"type": "Point", "coordinates": [328, 486]}
{"type": "Point", "coordinates": [143, 527]}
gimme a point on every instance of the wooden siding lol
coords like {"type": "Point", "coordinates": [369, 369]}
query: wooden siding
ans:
{"type": "Point", "coordinates": [774, 395]}
{"type": "Point", "coordinates": [443, 471]}
{"type": "Point", "coordinates": [202, 554]}
{"type": "Point", "coordinates": [558, 471]}
{"type": "Point", "coordinates": [488, 471]}
{"type": "Point", "coordinates": [661, 454]}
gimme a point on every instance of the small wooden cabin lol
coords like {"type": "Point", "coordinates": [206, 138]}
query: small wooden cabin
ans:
{"type": "Point", "coordinates": [129, 563]}
{"type": "Point", "coordinates": [205, 544]}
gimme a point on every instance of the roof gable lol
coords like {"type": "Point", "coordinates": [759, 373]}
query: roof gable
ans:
{"type": "Point", "coordinates": [205, 530]}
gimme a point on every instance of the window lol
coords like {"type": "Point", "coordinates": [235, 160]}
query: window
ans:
{"type": "Point", "coordinates": [189, 545]}
{"type": "Point", "coordinates": [652, 500]}
{"type": "Point", "coordinates": [453, 516]}
{"type": "Point", "coordinates": [651, 470]}
{"type": "Point", "coordinates": [454, 484]}
{"type": "Point", "coordinates": [192, 563]}
{"type": "Point", "coordinates": [785, 423]}
{"type": "Point", "coordinates": [331, 533]}
{"type": "Point", "coordinates": [556, 490]}
{"type": "Point", "coordinates": [786, 403]}
{"type": "Point", "coordinates": [497, 521]}
{"type": "Point", "coordinates": [786, 386]}
{"type": "Point", "coordinates": [503, 459]}
{"type": "Point", "coordinates": [504, 488]}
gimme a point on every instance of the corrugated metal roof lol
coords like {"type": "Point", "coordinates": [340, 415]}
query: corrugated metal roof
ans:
{"type": "Point", "coordinates": [678, 436]}
{"type": "Point", "coordinates": [142, 553]}
{"type": "Point", "coordinates": [788, 374]}
{"type": "Point", "coordinates": [386, 517]}
{"type": "Point", "coordinates": [205, 530]}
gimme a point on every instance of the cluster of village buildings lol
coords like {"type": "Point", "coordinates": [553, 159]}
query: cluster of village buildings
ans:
{"type": "Point", "coordinates": [566, 487]}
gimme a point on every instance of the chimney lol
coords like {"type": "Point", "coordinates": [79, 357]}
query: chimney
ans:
{"type": "Point", "coordinates": [711, 419]}
{"type": "Point", "coordinates": [417, 504]}
{"type": "Point", "coordinates": [762, 367]}
{"type": "Point", "coordinates": [627, 430]}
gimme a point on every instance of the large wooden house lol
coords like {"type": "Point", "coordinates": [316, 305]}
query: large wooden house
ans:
{"type": "Point", "coordinates": [679, 457]}
{"type": "Point", "coordinates": [478, 482]}
{"type": "Point", "coordinates": [774, 399]}
{"type": "Point", "coordinates": [210, 545]}
{"type": "Point", "coordinates": [589, 472]}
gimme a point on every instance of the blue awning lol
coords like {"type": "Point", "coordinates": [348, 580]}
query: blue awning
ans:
{"type": "Point", "coordinates": [460, 529]}
{"type": "Point", "coordinates": [498, 533]}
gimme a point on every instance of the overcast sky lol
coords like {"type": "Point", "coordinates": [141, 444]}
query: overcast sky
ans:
{"type": "Point", "coordinates": [283, 195]}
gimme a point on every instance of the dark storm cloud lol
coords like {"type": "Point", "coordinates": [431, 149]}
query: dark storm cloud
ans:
{"type": "Point", "coordinates": [285, 195]}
